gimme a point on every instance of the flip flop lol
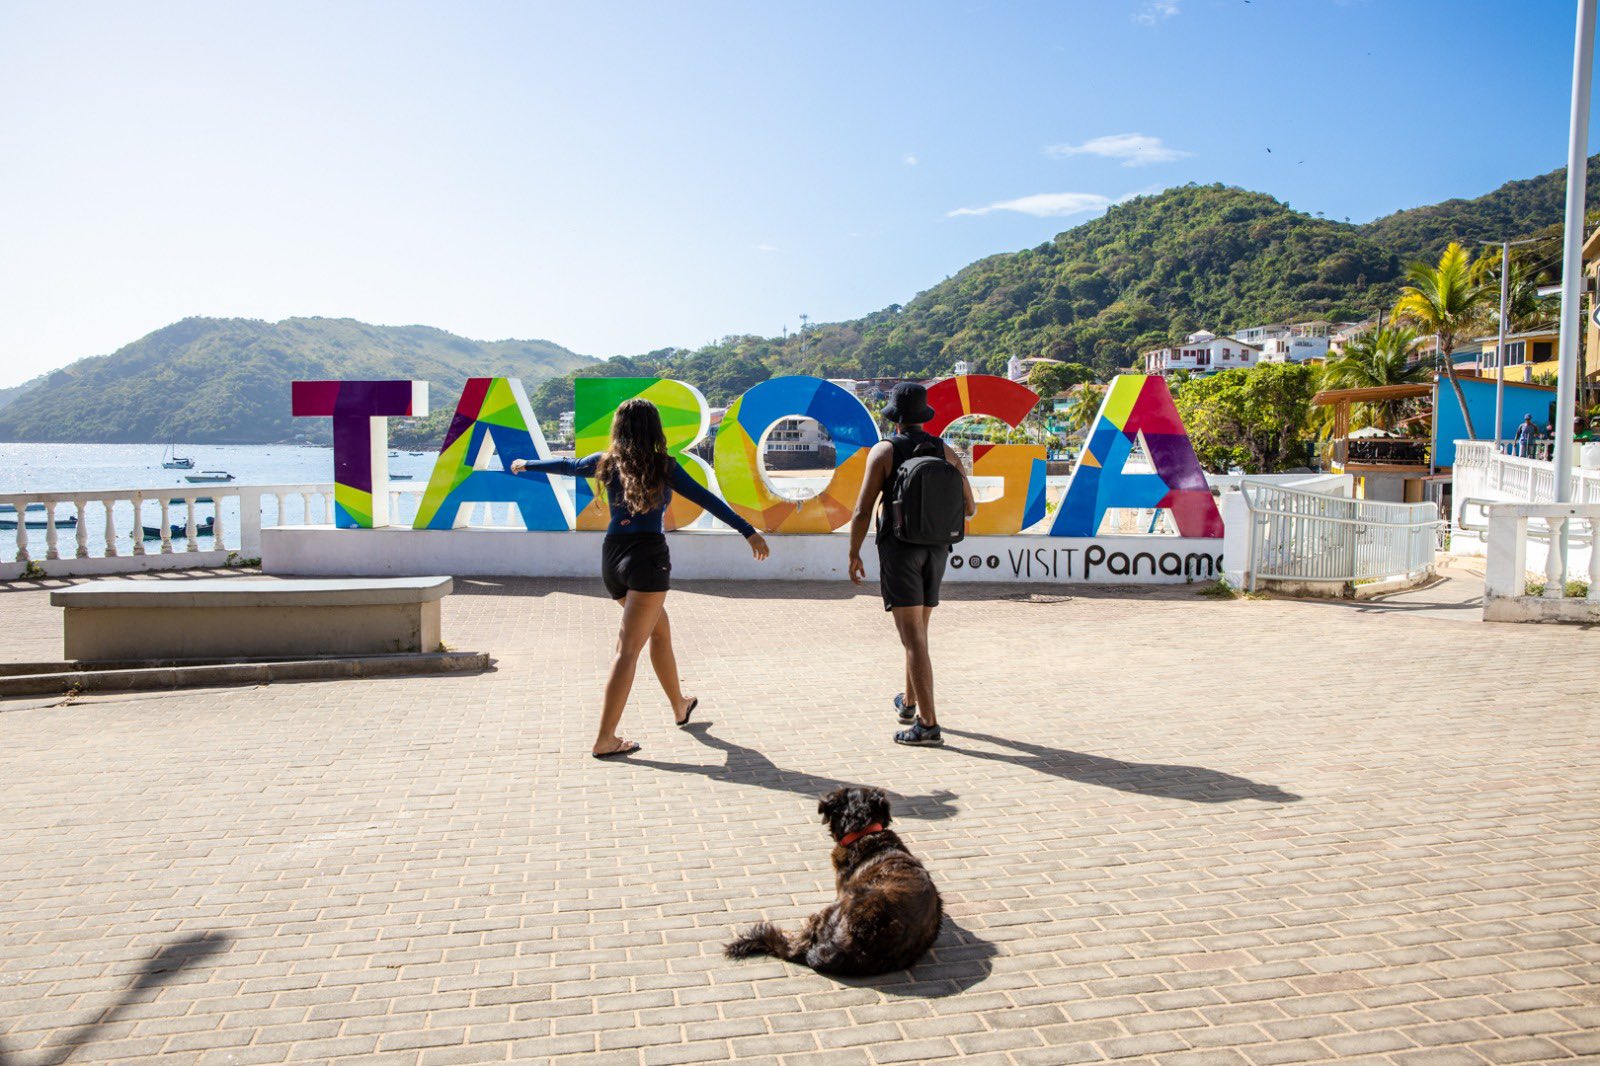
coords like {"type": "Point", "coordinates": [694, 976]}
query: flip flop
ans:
{"type": "Point", "coordinates": [693, 703]}
{"type": "Point", "coordinates": [628, 748]}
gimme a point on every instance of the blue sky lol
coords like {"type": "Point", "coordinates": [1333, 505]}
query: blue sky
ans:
{"type": "Point", "coordinates": [618, 177]}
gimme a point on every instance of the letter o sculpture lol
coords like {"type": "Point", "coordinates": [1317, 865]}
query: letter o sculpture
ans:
{"type": "Point", "coordinates": [738, 453]}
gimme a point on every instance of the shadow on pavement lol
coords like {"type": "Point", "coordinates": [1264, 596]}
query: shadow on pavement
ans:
{"type": "Point", "coordinates": [168, 961]}
{"type": "Point", "coordinates": [960, 960]}
{"type": "Point", "coordinates": [1196, 784]}
{"type": "Point", "coordinates": [747, 766]}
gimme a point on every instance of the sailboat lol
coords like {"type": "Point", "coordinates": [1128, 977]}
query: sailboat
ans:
{"type": "Point", "coordinates": [171, 460]}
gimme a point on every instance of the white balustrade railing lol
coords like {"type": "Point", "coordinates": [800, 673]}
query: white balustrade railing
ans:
{"type": "Point", "coordinates": [125, 530]}
{"type": "Point", "coordinates": [1485, 470]}
{"type": "Point", "coordinates": [1302, 536]}
{"type": "Point", "coordinates": [1566, 526]}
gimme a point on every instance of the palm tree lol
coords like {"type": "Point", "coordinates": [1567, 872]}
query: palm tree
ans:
{"type": "Point", "coordinates": [1525, 308]}
{"type": "Point", "coordinates": [1082, 408]}
{"type": "Point", "coordinates": [1373, 360]}
{"type": "Point", "coordinates": [1447, 300]}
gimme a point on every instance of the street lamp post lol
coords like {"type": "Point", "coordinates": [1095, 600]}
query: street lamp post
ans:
{"type": "Point", "coordinates": [1572, 249]}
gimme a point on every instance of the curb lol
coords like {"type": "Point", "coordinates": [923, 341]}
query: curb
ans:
{"type": "Point", "coordinates": [37, 682]}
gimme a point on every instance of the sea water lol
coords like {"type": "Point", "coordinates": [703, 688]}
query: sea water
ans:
{"type": "Point", "coordinates": [43, 468]}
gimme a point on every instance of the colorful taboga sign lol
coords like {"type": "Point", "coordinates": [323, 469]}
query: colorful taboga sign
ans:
{"type": "Point", "coordinates": [494, 426]}
{"type": "Point", "coordinates": [360, 411]}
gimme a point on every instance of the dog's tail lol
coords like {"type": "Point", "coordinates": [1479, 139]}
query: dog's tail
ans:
{"type": "Point", "coordinates": [764, 939]}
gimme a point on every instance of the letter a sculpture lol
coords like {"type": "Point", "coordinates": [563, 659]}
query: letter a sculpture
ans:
{"type": "Point", "coordinates": [1138, 408]}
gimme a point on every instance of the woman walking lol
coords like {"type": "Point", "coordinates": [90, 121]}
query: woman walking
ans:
{"type": "Point", "coordinates": [639, 478]}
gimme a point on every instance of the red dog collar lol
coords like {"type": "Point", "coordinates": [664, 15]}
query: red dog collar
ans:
{"type": "Point", "coordinates": [850, 838]}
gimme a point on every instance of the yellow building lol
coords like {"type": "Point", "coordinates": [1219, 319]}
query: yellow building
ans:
{"type": "Point", "coordinates": [1528, 355]}
{"type": "Point", "coordinates": [1591, 338]}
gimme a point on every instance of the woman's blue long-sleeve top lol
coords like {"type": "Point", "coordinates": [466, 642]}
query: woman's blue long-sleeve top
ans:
{"type": "Point", "coordinates": [624, 520]}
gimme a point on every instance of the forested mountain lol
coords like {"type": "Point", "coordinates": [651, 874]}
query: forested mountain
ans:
{"type": "Point", "coordinates": [1143, 274]}
{"type": "Point", "coordinates": [226, 380]}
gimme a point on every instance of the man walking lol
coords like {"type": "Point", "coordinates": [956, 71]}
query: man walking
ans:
{"type": "Point", "coordinates": [925, 498]}
{"type": "Point", "coordinates": [1526, 434]}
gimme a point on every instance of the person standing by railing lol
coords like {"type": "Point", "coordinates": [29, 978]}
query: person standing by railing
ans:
{"type": "Point", "coordinates": [1525, 435]}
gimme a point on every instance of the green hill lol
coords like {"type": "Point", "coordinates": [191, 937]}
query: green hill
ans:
{"type": "Point", "coordinates": [227, 380]}
{"type": "Point", "coordinates": [1145, 273]}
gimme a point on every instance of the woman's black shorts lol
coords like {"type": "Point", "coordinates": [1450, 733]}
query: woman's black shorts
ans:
{"type": "Point", "coordinates": [637, 562]}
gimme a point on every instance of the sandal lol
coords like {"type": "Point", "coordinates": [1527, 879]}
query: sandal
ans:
{"type": "Point", "coordinates": [627, 747]}
{"type": "Point", "coordinates": [920, 736]}
{"type": "Point", "coordinates": [908, 711]}
{"type": "Point", "coordinates": [694, 701]}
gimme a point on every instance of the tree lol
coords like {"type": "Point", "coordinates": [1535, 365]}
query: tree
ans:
{"type": "Point", "coordinates": [1082, 408]}
{"type": "Point", "coordinates": [1373, 360]}
{"type": "Point", "coordinates": [1251, 418]}
{"type": "Point", "coordinates": [1525, 308]}
{"type": "Point", "coordinates": [1052, 379]}
{"type": "Point", "coordinates": [1447, 300]}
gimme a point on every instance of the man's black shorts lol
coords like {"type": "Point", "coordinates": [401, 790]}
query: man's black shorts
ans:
{"type": "Point", "coordinates": [910, 574]}
{"type": "Point", "coordinates": [635, 561]}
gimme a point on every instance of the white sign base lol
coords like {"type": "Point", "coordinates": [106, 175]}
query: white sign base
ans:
{"type": "Point", "coordinates": [1029, 559]}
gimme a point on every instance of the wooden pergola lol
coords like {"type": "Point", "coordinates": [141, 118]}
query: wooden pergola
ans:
{"type": "Point", "coordinates": [1341, 399]}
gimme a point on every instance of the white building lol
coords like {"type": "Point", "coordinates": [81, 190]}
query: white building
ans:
{"type": "Point", "coordinates": [849, 385]}
{"type": "Point", "coordinates": [567, 418]}
{"type": "Point", "coordinates": [963, 368]}
{"type": "Point", "coordinates": [1259, 335]}
{"type": "Point", "coordinates": [1019, 369]}
{"type": "Point", "coordinates": [1347, 332]}
{"type": "Point", "coordinates": [797, 435]}
{"type": "Point", "coordinates": [1201, 353]}
{"type": "Point", "coordinates": [1299, 342]}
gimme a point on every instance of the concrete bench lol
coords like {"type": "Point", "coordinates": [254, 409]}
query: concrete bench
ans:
{"type": "Point", "coordinates": [229, 618]}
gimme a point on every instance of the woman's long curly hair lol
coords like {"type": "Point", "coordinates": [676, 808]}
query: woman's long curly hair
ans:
{"type": "Point", "coordinates": [638, 456]}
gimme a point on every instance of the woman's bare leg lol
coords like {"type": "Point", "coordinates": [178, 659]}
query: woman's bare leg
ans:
{"type": "Point", "coordinates": [639, 613]}
{"type": "Point", "coordinates": [665, 663]}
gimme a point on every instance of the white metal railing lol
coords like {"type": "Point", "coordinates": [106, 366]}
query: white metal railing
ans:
{"type": "Point", "coordinates": [1565, 524]}
{"type": "Point", "coordinates": [1297, 535]}
{"type": "Point", "coordinates": [1485, 470]}
{"type": "Point", "coordinates": [124, 530]}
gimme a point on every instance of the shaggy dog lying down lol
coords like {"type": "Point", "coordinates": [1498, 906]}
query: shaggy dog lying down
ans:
{"type": "Point", "coordinates": [888, 912]}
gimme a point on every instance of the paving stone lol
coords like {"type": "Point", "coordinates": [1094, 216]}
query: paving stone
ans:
{"type": "Point", "coordinates": [1147, 851]}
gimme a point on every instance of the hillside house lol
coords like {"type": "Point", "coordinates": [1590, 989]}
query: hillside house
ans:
{"type": "Point", "coordinates": [1201, 353]}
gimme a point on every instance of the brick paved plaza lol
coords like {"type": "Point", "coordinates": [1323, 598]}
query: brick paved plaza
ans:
{"type": "Point", "coordinates": [1167, 829]}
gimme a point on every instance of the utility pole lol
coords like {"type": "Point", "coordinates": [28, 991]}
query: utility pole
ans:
{"type": "Point", "coordinates": [804, 319]}
{"type": "Point", "coordinates": [1572, 252]}
{"type": "Point", "coordinates": [1500, 342]}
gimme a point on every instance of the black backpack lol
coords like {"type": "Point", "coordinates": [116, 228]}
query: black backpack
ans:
{"type": "Point", "coordinates": [927, 503]}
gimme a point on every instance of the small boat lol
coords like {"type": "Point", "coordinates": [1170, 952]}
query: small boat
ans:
{"type": "Point", "coordinates": [415, 453]}
{"type": "Point", "coordinates": [201, 529]}
{"type": "Point", "coordinates": [29, 522]}
{"type": "Point", "coordinates": [206, 477]}
{"type": "Point", "coordinates": [197, 499]}
{"type": "Point", "coordinates": [171, 460]}
{"type": "Point", "coordinates": [394, 455]}
{"type": "Point", "coordinates": [401, 477]}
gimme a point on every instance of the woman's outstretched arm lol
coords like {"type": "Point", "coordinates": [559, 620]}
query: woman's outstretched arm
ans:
{"type": "Point", "coordinates": [691, 489]}
{"type": "Point", "coordinates": [584, 467]}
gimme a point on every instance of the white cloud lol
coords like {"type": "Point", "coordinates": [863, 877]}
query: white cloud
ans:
{"type": "Point", "coordinates": [1042, 205]}
{"type": "Point", "coordinates": [910, 160]}
{"type": "Point", "coordinates": [765, 247]}
{"type": "Point", "coordinates": [1134, 149]}
{"type": "Point", "coordinates": [1156, 12]}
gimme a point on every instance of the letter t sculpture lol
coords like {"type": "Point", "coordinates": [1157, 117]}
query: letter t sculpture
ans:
{"type": "Point", "coordinates": [360, 411]}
